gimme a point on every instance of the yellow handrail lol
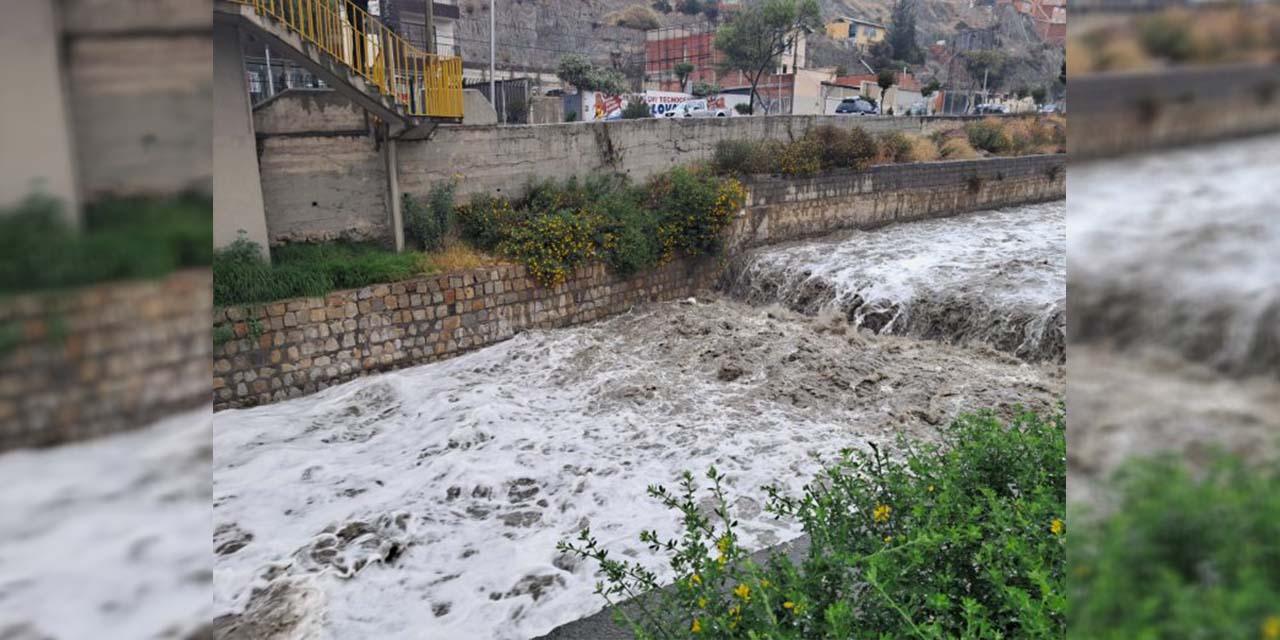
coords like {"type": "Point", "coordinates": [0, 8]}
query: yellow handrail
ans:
{"type": "Point", "coordinates": [424, 84]}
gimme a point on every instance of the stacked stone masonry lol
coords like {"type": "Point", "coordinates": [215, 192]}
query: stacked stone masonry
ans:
{"type": "Point", "coordinates": [1118, 113]}
{"type": "Point", "coordinates": [297, 347]}
{"type": "Point", "coordinates": [103, 359]}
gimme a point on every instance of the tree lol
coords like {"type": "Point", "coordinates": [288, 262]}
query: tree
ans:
{"type": "Point", "coordinates": [841, 70]}
{"type": "Point", "coordinates": [991, 64]}
{"type": "Point", "coordinates": [756, 36]}
{"type": "Point", "coordinates": [885, 79]}
{"type": "Point", "coordinates": [703, 89]}
{"type": "Point", "coordinates": [929, 89]}
{"type": "Point", "coordinates": [690, 7]}
{"type": "Point", "coordinates": [1038, 94]}
{"type": "Point", "coordinates": [683, 69]}
{"type": "Point", "coordinates": [902, 33]}
{"type": "Point", "coordinates": [580, 72]}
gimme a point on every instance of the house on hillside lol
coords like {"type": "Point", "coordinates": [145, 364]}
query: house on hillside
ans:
{"type": "Point", "coordinates": [862, 33]}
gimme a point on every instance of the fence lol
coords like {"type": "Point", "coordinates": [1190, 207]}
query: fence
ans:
{"type": "Point", "coordinates": [512, 105]}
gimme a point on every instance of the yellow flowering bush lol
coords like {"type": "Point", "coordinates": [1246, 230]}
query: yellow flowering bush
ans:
{"type": "Point", "coordinates": [560, 226]}
{"type": "Point", "coordinates": [961, 539]}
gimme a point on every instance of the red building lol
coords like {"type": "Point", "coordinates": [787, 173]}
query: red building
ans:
{"type": "Point", "coordinates": [666, 47]}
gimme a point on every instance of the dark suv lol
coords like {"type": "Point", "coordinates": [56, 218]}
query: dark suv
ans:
{"type": "Point", "coordinates": [855, 106]}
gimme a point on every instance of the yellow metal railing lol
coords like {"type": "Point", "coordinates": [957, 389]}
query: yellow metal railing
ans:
{"type": "Point", "coordinates": [424, 84]}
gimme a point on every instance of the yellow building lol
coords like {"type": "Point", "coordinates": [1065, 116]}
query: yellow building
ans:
{"type": "Point", "coordinates": [862, 32]}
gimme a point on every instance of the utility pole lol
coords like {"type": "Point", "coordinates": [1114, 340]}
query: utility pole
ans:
{"type": "Point", "coordinates": [429, 23]}
{"type": "Point", "coordinates": [271, 83]}
{"type": "Point", "coordinates": [493, 95]}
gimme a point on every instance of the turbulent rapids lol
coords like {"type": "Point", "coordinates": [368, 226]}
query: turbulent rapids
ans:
{"type": "Point", "coordinates": [1175, 307]}
{"type": "Point", "coordinates": [994, 278]}
{"type": "Point", "coordinates": [1180, 250]}
{"type": "Point", "coordinates": [427, 502]}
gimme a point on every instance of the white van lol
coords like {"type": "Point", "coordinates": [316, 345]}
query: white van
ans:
{"type": "Point", "coordinates": [696, 109]}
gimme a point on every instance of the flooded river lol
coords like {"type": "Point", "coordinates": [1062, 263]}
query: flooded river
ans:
{"type": "Point", "coordinates": [995, 277]}
{"type": "Point", "coordinates": [1175, 306]}
{"type": "Point", "coordinates": [427, 502]}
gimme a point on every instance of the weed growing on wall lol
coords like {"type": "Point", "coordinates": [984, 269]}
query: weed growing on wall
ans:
{"type": "Point", "coordinates": [241, 275]}
{"type": "Point", "coordinates": [119, 239]}
{"type": "Point", "coordinates": [962, 539]}
{"type": "Point", "coordinates": [429, 222]}
{"type": "Point", "coordinates": [1182, 555]}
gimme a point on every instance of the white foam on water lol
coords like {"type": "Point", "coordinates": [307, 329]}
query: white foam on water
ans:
{"type": "Point", "coordinates": [1182, 249]}
{"type": "Point", "coordinates": [109, 538]}
{"type": "Point", "coordinates": [427, 502]}
{"type": "Point", "coordinates": [972, 278]}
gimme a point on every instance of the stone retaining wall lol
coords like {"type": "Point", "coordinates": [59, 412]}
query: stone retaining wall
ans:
{"type": "Point", "coordinates": [292, 348]}
{"type": "Point", "coordinates": [103, 359]}
{"type": "Point", "coordinates": [1117, 113]}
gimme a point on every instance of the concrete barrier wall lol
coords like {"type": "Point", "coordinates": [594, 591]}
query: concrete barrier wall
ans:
{"type": "Point", "coordinates": [1117, 113]}
{"type": "Point", "coordinates": [139, 82]}
{"type": "Point", "coordinates": [293, 348]}
{"type": "Point", "coordinates": [321, 172]}
{"type": "Point", "coordinates": [503, 159]}
{"type": "Point", "coordinates": [102, 359]}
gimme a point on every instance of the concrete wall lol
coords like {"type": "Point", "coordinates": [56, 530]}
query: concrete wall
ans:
{"type": "Point", "coordinates": [103, 359]}
{"type": "Point", "coordinates": [320, 188]}
{"type": "Point", "coordinates": [302, 346]}
{"type": "Point", "coordinates": [322, 177]}
{"type": "Point", "coordinates": [503, 159]}
{"type": "Point", "coordinates": [1116, 113]}
{"type": "Point", "coordinates": [37, 152]}
{"type": "Point", "coordinates": [237, 185]}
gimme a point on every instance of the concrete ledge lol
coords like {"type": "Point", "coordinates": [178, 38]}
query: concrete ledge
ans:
{"type": "Point", "coordinates": [1117, 113]}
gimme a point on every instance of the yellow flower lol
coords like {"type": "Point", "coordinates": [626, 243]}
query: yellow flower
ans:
{"type": "Point", "coordinates": [742, 591]}
{"type": "Point", "coordinates": [723, 544]}
{"type": "Point", "coordinates": [881, 514]}
{"type": "Point", "coordinates": [930, 488]}
{"type": "Point", "coordinates": [696, 627]}
{"type": "Point", "coordinates": [1057, 527]}
{"type": "Point", "coordinates": [764, 583]}
{"type": "Point", "coordinates": [1271, 628]}
{"type": "Point", "coordinates": [735, 611]}
{"type": "Point", "coordinates": [788, 605]}
{"type": "Point", "coordinates": [695, 579]}
{"type": "Point", "coordinates": [702, 603]}
{"type": "Point", "coordinates": [888, 539]}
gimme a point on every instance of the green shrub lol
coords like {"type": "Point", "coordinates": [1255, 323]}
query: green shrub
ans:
{"type": "Point", "coordinates": [483, 221]}
{"type": "Point", "coordinates": [635, 109]}
{"type": "Point", "coordinates": [959, 540]}
{"type": "Point", "coordinates": [989, 135]}
{"type": "Point", "coordinates": [695, 207]}
{"type": "Point", "coordinates": [428, 223]}
{"type": "Point", "coordinates": [242, 276]}
{"type": "Point", "coordinates": [843, 148]}
{"type": "Point", "coordinates": [1181, 555]}
{"type": "Point", "coordinates": [553, 243]}
{"type": "Point", "coordinates": [741, 157]}
{"type": "Point", "coordinates": [743, 108]}
{"type": "Point", "coordinates": [896, 147]}
{"type": "Point", "coordinates": [801, 158]}
{"type": "Point", "coordinates": [120, 239]}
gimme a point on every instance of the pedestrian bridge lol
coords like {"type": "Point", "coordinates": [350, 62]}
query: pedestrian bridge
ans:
{"type": "Point", "coordinates": [357, 55]}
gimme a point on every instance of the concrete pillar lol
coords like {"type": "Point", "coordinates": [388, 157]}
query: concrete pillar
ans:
{"type": "Point", "coordinates": [36, 153]}
{"type": "Point", "coordinates": [237, 184]}
{"type": "Point", "coordinates": [394, 201]}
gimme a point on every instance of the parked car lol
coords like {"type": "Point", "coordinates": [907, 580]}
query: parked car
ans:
{"type": "Point", "coordinates": [696, 109]}
{"type": "Point", "coordinates": [991, 109]}
{"type": "Point", "coordinates": [856, 106]}
{"type": "Point", "coordinates": [918, 109]}
{"type": "Point", "coordinates": [1049, 108]}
